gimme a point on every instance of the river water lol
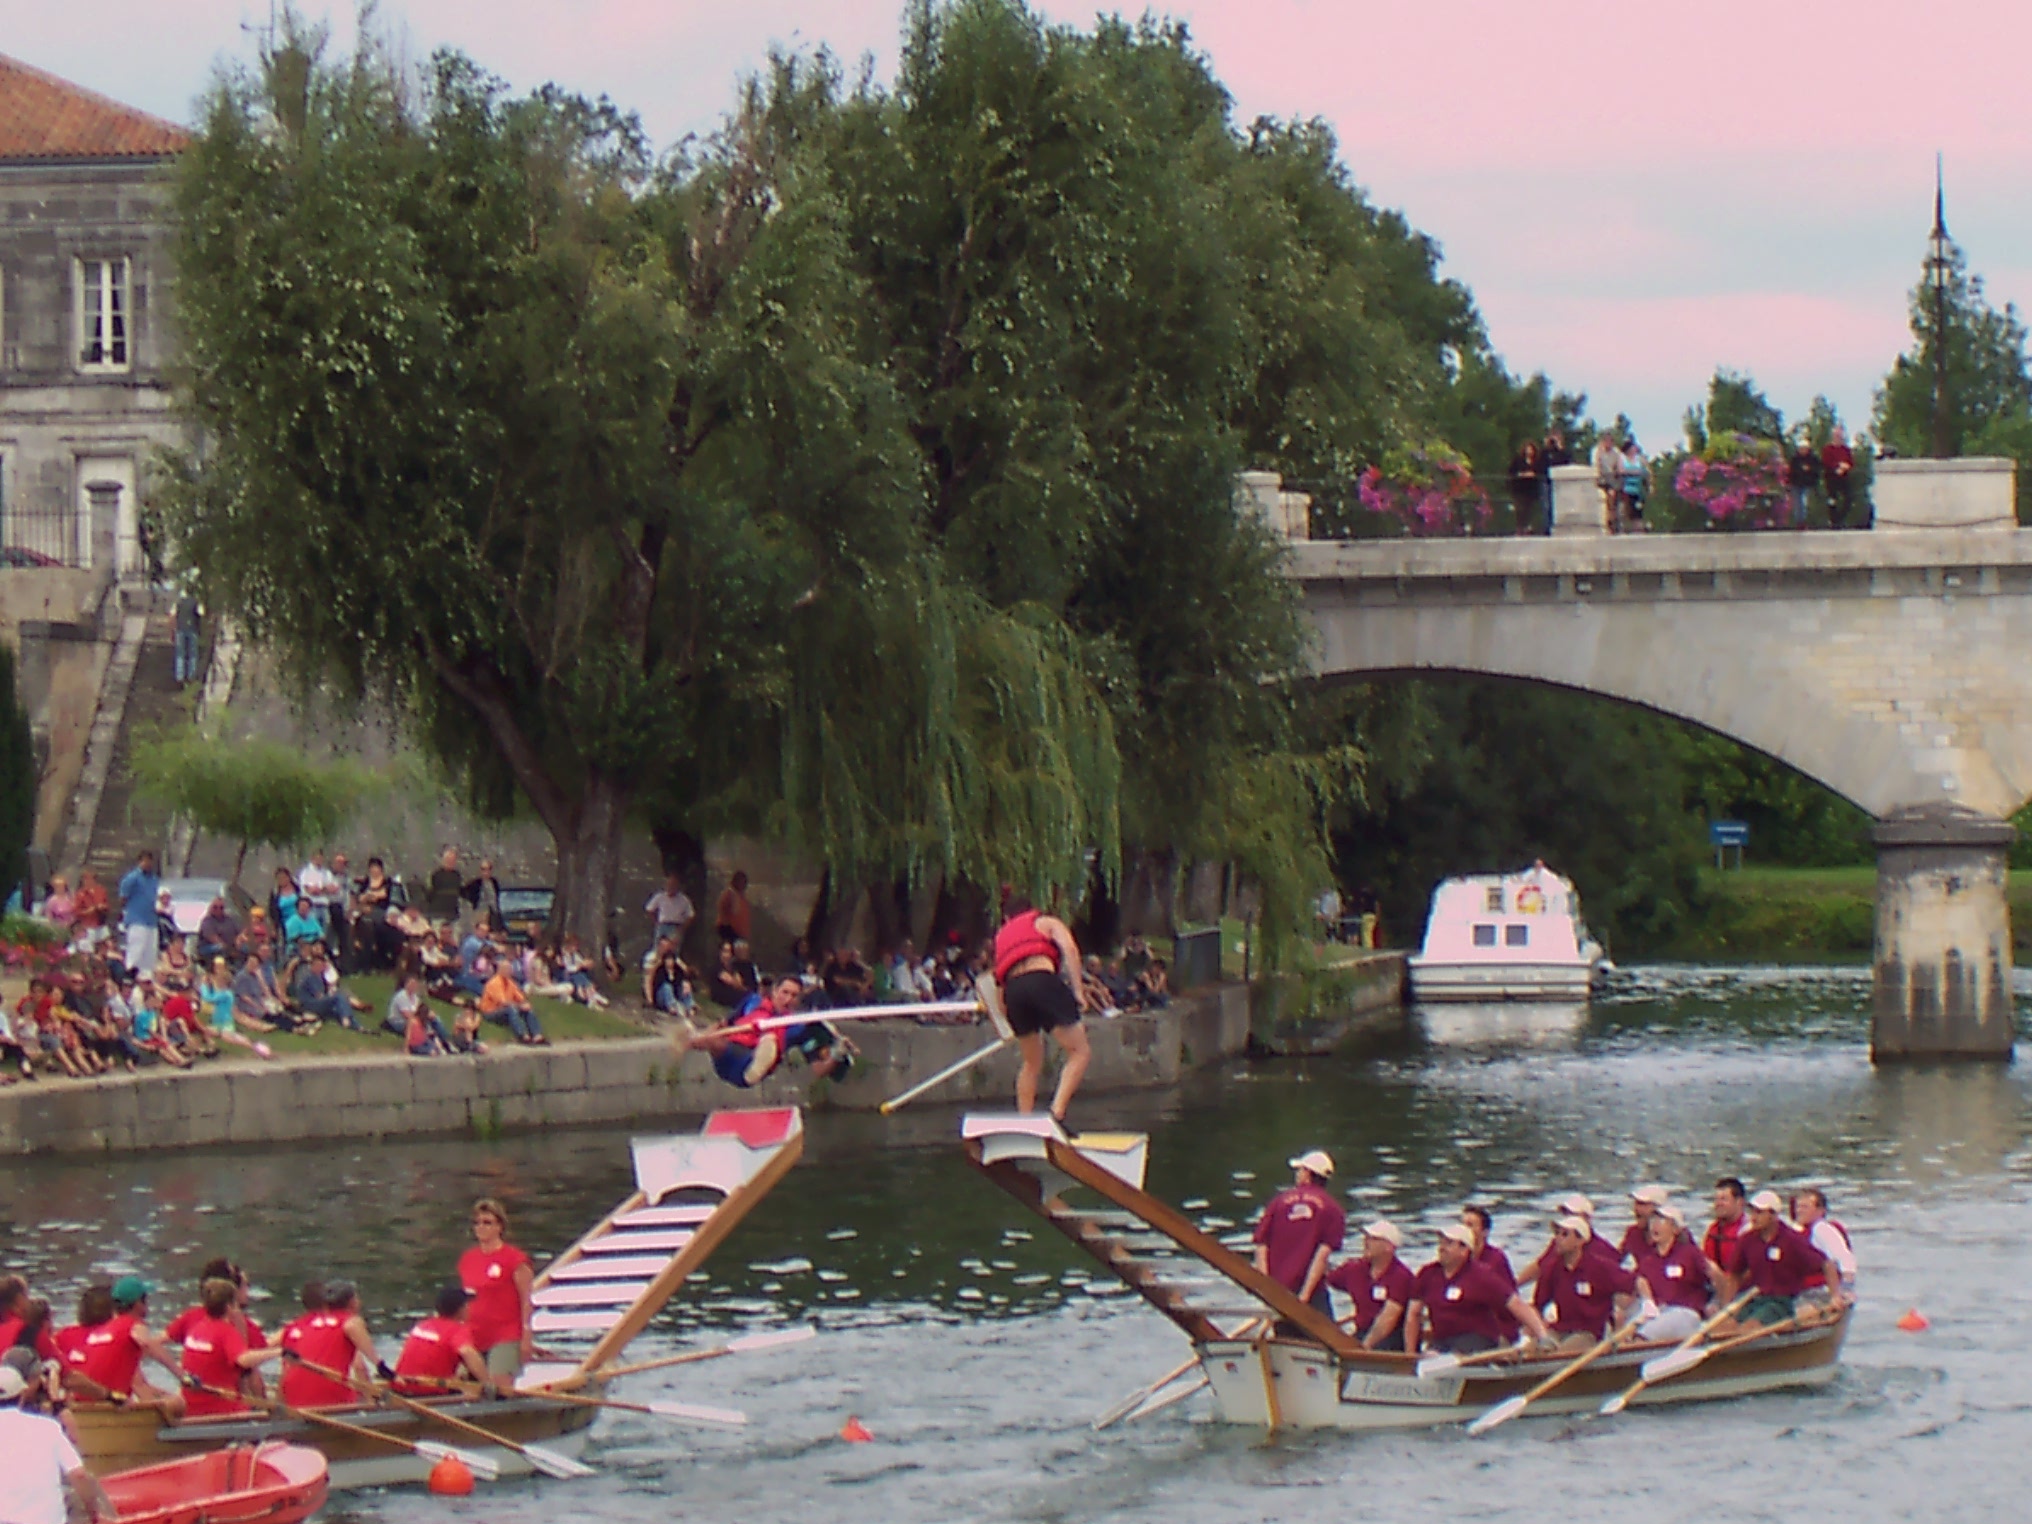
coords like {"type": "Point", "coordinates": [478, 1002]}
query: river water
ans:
{"type": "Point", "coordinates": [976, 1353]}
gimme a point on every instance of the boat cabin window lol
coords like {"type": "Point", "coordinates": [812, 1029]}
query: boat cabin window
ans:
{"type": "Point", "coordinates": [1485, 936]}
{"type": "Point", "coordinates": [1516, 936]}
{"type": "Point", "coordinates": [1495, 901]}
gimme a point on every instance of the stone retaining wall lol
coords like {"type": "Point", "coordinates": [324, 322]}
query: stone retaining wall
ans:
{"type": "Point", "coordinates": [379, 1095]}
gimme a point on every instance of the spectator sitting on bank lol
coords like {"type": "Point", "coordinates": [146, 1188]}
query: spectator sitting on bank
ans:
{"type": "Point", "coordinates": [14, 1052]}
{"type": "Point", "coordinates": [1135, 955]}
{"type": "Point", "coordinates": [300, 924]}
{"type": "Point", "coordinates": [410, 1017]}
{"type": "Point", "coordinates": [320, 885]}
{"type": "Point", "coordinates": [907, 978]}
{"type": "Point", "coordinates": [437, 958]}
{"type": "Point", "coordinates": [847, 980]}
{"type": "Point", "coordinates": [730, 985]}
{"type": "Point", "coordinates": [577, 969]}
{"type": "Point", "coordinates": [218, 932]}
{"type": "Point", "coordinates": [1100, 993]}
{"type": "Point", "coordinates": [148, 1029]}
{"type": "Point", "coordinates": [259, 937]}
{"type": "Point", "coordinates": [503, 1002]}
{"type": "Point", "coordinates": [57, 904]}
{"type": "Point", "coordinates": [376, 944]}
{"type": "Point", "coordinates": [314, 985]}
{"type": "Point", "coordinates": [477, 962]}
{"type": "Point", "coordinates": [282, 898]}
{"type": "Point", "coordinates": [258, 1003]}
{"type": "Point", "coordinates": [183, 1025]}
{"type": "Point", "coordinates": [173, 967]}
{"type": "Point", "coordinates": [668, 983]}
{"type": "Point", "coordinates": [1154, 984]}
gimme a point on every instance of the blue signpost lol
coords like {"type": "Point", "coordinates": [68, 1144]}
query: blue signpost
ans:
{"type": "Point", "coordinates": [1723, 834]}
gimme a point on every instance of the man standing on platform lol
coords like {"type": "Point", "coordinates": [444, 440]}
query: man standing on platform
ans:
{"type": "Point", "coordinates": [1300, 1228]}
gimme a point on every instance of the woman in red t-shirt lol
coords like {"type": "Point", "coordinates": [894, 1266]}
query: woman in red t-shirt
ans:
{"type": "Point", "coordinates": [216, 1354]}
{"type": "Point", "coordinates": [497, 1276]}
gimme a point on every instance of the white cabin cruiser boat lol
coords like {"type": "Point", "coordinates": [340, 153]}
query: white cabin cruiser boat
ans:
{"type": "Point", "coordinates": [1506, 936]}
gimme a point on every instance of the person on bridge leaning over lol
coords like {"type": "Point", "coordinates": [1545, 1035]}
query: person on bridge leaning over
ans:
{"type": "Point", "coordinates": [1037, 965]}
{"type": "Point", "coordinates": [1458, 1306]}
{"type": "Point", "coordinates": [1301, 1227]}
{"type": "Point", "coordinates": [1673, 1277]}
{"type": "Point", "coordinates": [1578, 1288]}
{"type": "Point", "coordinates": [744, 1055]}
{"type": "Point", "coordinates": [1838, 1278]}
{"type": "Point", "coordinates": [1379, 1283]}
{"type": "Point", "coordinates": [1778, 1262]}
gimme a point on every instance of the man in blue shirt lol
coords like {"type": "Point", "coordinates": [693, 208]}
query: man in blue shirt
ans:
{"type": "Point", "coordinates": [137, 913]}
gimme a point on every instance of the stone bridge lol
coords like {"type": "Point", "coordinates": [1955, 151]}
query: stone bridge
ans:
{"type": "Point", "coordinates": [1893, 665]}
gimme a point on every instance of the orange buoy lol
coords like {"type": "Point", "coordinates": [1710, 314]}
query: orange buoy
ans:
{"type": "Point", "coordinates": [451, 1478]}
{"type": "Point", "coordinates": [1914, 1321]}
{"type": "Point", "coordinates": [855, 1433]}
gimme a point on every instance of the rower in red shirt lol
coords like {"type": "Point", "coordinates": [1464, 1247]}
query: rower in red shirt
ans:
{"type": "Point", "coordinates": [498, 1277]}
{"type": "Point", "coordinates": [223, 1269]}
{"type": "Point", "coordinates": [1644, 1204]}
{"type": "Point", "coordinates": [1300, 1229]}
{"type": "Point", "coordinates": [332, 1335]}
{"type": "Point", "coordinates": [216, 1355]}
{"type": "Point", "coordinates": [1578, 1285]}
{"type": "Point", "coordinates": [1456, 1303]}
{"type": "Point", "coordinates": [102, 1354]}
{"type": "Point", "coordinates": [15, 1307]}
{"type": "Point", "coordinates": [440, 1348]}
{"type": "Point", "coordinates": [1777, 1260]}
{"type": "Point", "coordinates": [1673, 1277]}
{"type": "Point", "coordinates": [1379, 1284]}
{"type": "Point", "coordinates": [1481, 1224]}
{"type": "Point", "coordinates": [1722, 1240]}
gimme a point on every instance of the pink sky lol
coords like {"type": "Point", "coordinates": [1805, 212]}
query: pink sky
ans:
{"type": "Point", "coordinates": [1635, 193]}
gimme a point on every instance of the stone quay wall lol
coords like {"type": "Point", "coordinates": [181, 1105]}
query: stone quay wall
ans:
{"type": "Point", "coordinates": [636, 1080]}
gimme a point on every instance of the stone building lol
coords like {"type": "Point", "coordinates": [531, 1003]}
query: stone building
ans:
{"type": "Point", "coordinates": [83, 320]}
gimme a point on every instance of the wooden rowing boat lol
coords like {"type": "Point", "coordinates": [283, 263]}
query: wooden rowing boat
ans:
{"type": "Point", "coordinates": [264, 1484]}
{"type": "Point", "coordinates": [1311, 1373]}
{"type": "Point", "coordinates": [691, 1191]}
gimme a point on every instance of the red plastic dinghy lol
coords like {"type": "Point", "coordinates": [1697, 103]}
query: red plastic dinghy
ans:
{"type": "Point", "coordinates": [248, 1484]}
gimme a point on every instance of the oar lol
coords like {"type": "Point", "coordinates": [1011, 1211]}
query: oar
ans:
{"type": "Point", "coordinates": [1440, 1364]}
{"type": "Point", "coordinates": [896, 1101]}
{"type": "Point", "coordinates": [1680, 1361]}
{"type": "Point", "coordinates": [484, 1467]}
{"type": "Point", "coordinates": [1122, 1409]}
{"type": "Point", "coordinates": [1621, 1400]}
{"type": "Point", "coordinates": [549, 1462]}
{"type": "Point", "coordinates": [1168, 1399]}
{"type": "Point", "coordinates": [691, 1412]}
{"type": "Point", "coordinates": [1510, 1407]}
{"type": "Point", "coordinates": [746, 1344]}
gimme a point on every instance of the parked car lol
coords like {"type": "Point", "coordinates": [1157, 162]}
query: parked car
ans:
{"type": "Point", "coordinates": [190, 898]}
{"type": "Point", "coordinates": [525, 911]}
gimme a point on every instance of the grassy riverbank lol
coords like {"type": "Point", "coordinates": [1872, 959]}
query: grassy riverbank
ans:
{"type": "Point", "coordinates": [562, 1020]}
{"type": "Point", "coordinates": [1804, 913]}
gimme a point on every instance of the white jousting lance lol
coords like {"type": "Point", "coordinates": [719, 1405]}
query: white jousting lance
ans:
{"type": "Point", "coordinates": [863, 1013]}
{"type": "Point", "coordinates": [991, 1002]}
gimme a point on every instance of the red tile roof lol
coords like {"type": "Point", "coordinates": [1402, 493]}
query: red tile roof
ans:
{"type": "Point", "coordinates": [43, 117]}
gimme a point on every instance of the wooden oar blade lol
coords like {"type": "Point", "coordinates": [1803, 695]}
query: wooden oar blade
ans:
{"type": "Point", "coordinates": [550, 1463]}
{"type": "Point", "coordinates": [1621, 1400]}
{"type": "Point", "coordinates": [1664, 1367]}
{"type": "Point", "coordinates": [774, 1339]}
{"type": "Point", "coordinates": [1501, 1413]}
{"type": "Point", "coordinates": [485, 1467]}
{"type": "Point", "coordinates": [1438, 1365]}
{"type": "Point", "coordinates": [1159, 1404]}
{"type": "Point", "coordinates": [693, 1412]}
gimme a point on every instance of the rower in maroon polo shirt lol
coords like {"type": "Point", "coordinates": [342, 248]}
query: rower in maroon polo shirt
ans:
{"type": "Point", "coordinates": [1722, 1240]}
{"type": "Point", "coordinates": [1777, 1260]}
{"type": "Point", "coordinates": [1673, 1277]}
{"type": "Point", "coordinates": [1456, 1303]}
{"type": "Point", "coordinates": [1577, 1285]}
{"type": "Point", "coordinates": [1480, 1223]}
{"type": "Point", "coordinates": [1579, 1206]}
{"type": "Point", "coordinates": [1380, 1285]}
{"type": "Point", "coordinates": [1644, 1202]}
{"type": "Point", "coordinates": [1300, 1228]}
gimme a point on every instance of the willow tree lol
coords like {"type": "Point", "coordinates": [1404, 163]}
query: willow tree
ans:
{"type": "Point", "coordinates": [512, 424]}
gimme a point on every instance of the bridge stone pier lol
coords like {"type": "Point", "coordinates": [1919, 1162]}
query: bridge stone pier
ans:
{"type": "Point", "coordinates": [1894, 665]}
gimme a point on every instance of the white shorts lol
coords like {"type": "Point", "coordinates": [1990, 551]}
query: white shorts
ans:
{"type": "Point", "coordinates": [1671, 1325]}
{"type": "Point", "coordinates": [141, 949]}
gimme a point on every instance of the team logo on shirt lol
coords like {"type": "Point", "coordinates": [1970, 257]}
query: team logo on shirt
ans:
{"type": "Point", "coordinates": [1298, 1211]}
{"type": "Point", "coordinates": [1772, 1252]}
{"type": "Point", "coordinates": [1582, 1288]}
{"type": "Point", "coordinates": [493, 1272]}
{"type": "Point", "coordinates": [1453, 1293]}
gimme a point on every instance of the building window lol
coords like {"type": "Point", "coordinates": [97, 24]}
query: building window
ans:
{"type": "Point", "coordinates": [1485, 936]}
{"type": "Point", "coordinates": [103, 314]}
{"type": "Point", "coordinates": [1516, 936]}
{"type": "Point", "coordinates": [1494, 903]}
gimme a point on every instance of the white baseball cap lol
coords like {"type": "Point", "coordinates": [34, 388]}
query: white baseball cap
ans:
{"type": "Point", "coordinates": [1575, 1224]}
{"type": "Point", "coordinates": [1387, 1231]}
{"type": "Point", "coordinates": [1577, 1205]}
{"type": "Point", "coordinates": [1319, 1162]}
{"type": "Point", "coordinates": [1766, 1201]}
{"type": "Point", "coordinates": [1460, 1233]}
{"type": "Point", "coordinates": [12, 1384]}
{"type": "Point", "coordinates": [1651, 1195]}
{"type": "Point", "coordinates": [1673, 1215]}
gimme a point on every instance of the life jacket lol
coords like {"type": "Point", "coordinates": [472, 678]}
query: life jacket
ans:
{"type": "Point", "coordinates": [1018, 940]}
{"type": "Point", "coordinates": [1820, 1276]}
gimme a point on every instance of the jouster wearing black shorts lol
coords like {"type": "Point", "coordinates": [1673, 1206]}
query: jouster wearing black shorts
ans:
{"type": "Point", "coordinates": [1039, 1001]}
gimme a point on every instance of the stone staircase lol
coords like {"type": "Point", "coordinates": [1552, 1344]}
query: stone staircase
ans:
{"type": "Point", "coordinates": [121, 824]}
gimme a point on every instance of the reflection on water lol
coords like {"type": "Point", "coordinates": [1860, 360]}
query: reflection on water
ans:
{"type": "Point", "coordinates": [976, 1345]}
{"type": "Point", "coordinates": [1502, 1023]}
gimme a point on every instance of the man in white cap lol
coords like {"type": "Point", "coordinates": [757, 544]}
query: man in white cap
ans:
{"type": "Point", "coordinates": [1673, 1278]}
{"type": "Point", "coordinates": [1644, 1201]}
{"type": "Point", "coordinates": [1301, 1227]}
{"type": "Point", "coordinates": [41, 1463]}
{"type": "Point", "coordinates": [1380, 1285]}
{"type": "Point", "coordinates": [1457, 1305]}
{"type": "Point", "coordinates": [1578, 1287]}
{"type": "Point", "coordinates": [1579, 1206]}
{"type": "Point", "coordinates": [1778, 1262]}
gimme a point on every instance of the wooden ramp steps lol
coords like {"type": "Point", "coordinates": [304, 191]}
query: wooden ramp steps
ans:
{"type": "Point", "coordinates": [1090, 1189]}
{"type": "Point", "coordinates": [691, 1191]}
